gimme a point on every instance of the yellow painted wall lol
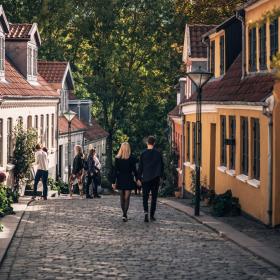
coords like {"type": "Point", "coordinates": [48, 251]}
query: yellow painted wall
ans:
{"type": "Point", "coordinates": [216, 37]}
{"type": "Point", "coordinates": [253, 16]}
{"type": "Point", "coordinates": [253, 200]}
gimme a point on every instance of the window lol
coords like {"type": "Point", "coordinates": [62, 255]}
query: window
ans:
{"type": "Point", "coordinates": [252, 49]}
{"type": "Point", "coordinates": [47, 131]}
{"type": "Point", "coordinates": [273, 37]}
{"type": "Point", "coordinates": [193, 143]}
{"type": "Point", "coordinates": [32, 56]}
{"type": "Point", "coordinates": [9, 139]}
{"type": "Point", "coordinates": [1, 142]}
{"type": "Point", "coordinates": [244, 146]}
{"type": "Point", "coordinates": [52, 131]}
{"type": "Point", "coordinates": [256, 148]}
{"type": "Point", "coordinates": [2, 53]}
{"type": "Point", "coordinates": [222, 55]}
{"type": "Point", "coordinates": [212, 57]}
{"type": "Point", "coordinates": [42, 129]}
{"type": "Point", "coordinates": [29, 122]}
{"type": "Point", "coordinates": [262, 43]}
{"type": "Point", "coordinates": [188, 140]}
{"type": "Point", "coordinates": [223, 141]}
{"type": "Point", "coordinates": [232, 148]}
{"type": "Point", "coordinates": [20, 121]}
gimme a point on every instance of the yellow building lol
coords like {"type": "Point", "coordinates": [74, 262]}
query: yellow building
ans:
{"type": "Point", "coordinates": [241, 112]}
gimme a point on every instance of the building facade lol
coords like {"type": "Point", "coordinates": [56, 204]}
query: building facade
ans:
{"type": "Point", "coordinates": [25, 96]}
{"type": "Point", "coordinates": [240, 112]}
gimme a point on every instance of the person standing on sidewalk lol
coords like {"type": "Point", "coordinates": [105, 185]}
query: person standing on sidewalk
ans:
{"type": "Point", "coordinates": [150, 173]}
{"type": "Point", "coordinates": [92, 175]}
{"type": "Point", "coordinates": [41, 160]}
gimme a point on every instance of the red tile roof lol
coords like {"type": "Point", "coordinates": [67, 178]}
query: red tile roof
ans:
{"type": "Point", "coordinates": [231, 88]}
{"type": "Point", "coordinates": [95, 131]}
{"type": "Point", "coordinates": [198, 49]}
{"type": "Point", "coordinates": [19, 31]}
{"type": "Point", "coordinates": [52, 71]}
{"type": "Point", "coordinates": [16, 85]}
{"type": "Point", "coordinates": [175, 112]}
{"type": "Point", "coordinates": [76, 125]}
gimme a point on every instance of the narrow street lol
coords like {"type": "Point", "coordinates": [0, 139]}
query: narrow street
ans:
{"type": "Point", "coordinates": [86, 239]}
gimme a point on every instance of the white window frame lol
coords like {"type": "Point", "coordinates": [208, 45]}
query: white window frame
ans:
{"type": "Point", "coordinates": [32, 60]}
{"type": "Point", "coordinates": [2, 55]}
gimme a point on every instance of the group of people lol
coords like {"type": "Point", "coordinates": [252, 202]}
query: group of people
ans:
{"type": "Point", "coordinates": [126, 176]}
{"type": "Point", "coordinates": [147, 176]}
{"type": "Point", "coordinates": [86, 171]}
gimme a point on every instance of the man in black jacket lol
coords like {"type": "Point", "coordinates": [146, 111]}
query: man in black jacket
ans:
{"type": "Point", "coordinates": [150, 172]}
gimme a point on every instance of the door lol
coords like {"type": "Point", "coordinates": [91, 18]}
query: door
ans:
{"type": "Point", "coordinates": [212, 162]}
{"type": "Point", "coordinates": [60, 155]}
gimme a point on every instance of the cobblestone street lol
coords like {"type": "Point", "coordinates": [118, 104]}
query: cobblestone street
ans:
{"type": "Point", "coordinates": [86, 239]}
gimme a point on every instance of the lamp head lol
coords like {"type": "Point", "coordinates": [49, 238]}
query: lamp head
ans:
{"type": "Point", "coordinates": [69, 115]}
{"type": "Point", "coordinates": [199, 77]}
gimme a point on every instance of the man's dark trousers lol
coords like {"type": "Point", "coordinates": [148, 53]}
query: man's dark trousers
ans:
{"type": "Point", "coordinates": [41, 174]}
{"type": "Point", "coordinates": [150, 186]}
{"type": "Point", "coordinates": [91, 180]}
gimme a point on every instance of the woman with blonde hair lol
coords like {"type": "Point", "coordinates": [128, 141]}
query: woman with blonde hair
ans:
{"type": "Point", "coordinates": [123, 176]}
{"type": "Point", "coordinates": [77, 170]}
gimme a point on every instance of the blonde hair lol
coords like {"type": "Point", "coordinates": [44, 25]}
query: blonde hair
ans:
{"type": "Point", "coordinates": [124, 151]}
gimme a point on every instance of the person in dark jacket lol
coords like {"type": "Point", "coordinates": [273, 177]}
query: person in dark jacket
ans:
{"type": "Point", "coordinates": [123, 176]}
{"type": "Point", "coordinates": [92, 171]}
{"type": "Point", "coordinates": [150, 173]}
{"type": "Point", "coordinates": [77, 170]}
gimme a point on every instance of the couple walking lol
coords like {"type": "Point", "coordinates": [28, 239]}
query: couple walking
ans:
{"type": "Point", "coordinates": [147, 176]}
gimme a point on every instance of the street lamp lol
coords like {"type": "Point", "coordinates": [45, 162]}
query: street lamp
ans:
{"type": "Point", "coordinates": [199, 78]}
{"type": "Point", "coordinates": [69, 116]}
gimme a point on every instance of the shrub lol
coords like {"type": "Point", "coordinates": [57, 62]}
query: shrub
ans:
{"type": "Point", "coordinates": [5, 201]}
{"type": "Point", "coordinates": [226, 205]}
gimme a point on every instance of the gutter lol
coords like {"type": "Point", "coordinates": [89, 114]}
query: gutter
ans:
{"type": "Point", "coordinates": [227, 103]}
{"type": "Point", "coordinates": [267, 111]}
{"type": "Point", "coordinates": [13, 97]}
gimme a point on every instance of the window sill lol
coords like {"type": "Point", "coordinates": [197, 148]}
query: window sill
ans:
{"type": "Point", "coordinates": [254, 183]}
{"type": "Point", "coordinates": [231, 172]}
{"type": "Point", "coordinates": [222, 169]}
{"type": "Point", "coordinates": [10, 167]}
{"type": "Point", "coordinates": [243, 178]}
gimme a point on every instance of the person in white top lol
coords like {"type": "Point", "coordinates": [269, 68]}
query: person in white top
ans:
{"type": "Point", "coordinates": [41, 160]}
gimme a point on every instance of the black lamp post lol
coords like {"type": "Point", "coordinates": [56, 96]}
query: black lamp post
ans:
{"type": "Point", "coordinates": [69, 115]}
{"type": "Point", "coordinates": [199, 78]}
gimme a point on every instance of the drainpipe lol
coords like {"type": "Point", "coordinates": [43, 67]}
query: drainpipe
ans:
{"type": "Point", "coordinates": [242, 19]}
{"type": "Point", "coordinates": [267, 111]}
{"type": "Point", "coordinates": [183, 152]}
{"type": "Point", "coordinates": [57, 142]}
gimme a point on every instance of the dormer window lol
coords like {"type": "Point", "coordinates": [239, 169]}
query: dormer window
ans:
{"type": "Point", "coordinates": [222, 55]}
{"type": "Point", "coordinates": [32, 57]}
{"type": "Point", "coordinates": [252, 50]}
{"type": "Point", "coordinates": [2, 55]}
{"type": "Point", "coordinates": [273, 38]}
{"type": "Point", "coordinates": [212, 57]}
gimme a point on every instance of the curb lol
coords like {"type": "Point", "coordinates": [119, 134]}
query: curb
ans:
{"type": "Point", "coordinates": [242, 240]}
{"type": "Point", "coordinates": [11, 224]}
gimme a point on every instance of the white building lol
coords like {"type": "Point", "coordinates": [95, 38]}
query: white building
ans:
{"type": "Point", "coordinates": [24, 95]}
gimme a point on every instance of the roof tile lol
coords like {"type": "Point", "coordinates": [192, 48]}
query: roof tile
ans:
{"type": "Point", "coordinates": [52, 71]}
{"type": "Point", "coordinates": [19, 31]}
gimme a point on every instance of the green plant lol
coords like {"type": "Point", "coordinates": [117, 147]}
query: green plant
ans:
{"type": "Point", "coordinates": [170, 182]}
{"type": "Point", "coordinates": [5, 201]}
{"type": "Point", "coordinates": [53, 184]}
{"type": "Point", "coordinates": [62, 187]}
{"type": "Point", "coordinates": [23, 156]}
{"type": "Point", "coordinates": [226, 205]}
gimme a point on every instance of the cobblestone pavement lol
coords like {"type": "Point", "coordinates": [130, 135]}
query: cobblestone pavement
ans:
{"type": "Point", "coordinates": [86, 239]}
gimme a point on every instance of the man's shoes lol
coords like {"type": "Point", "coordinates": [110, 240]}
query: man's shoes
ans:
{"type": "Point", "coordinates": [97, 196]}
{"type": "Point", "coordinates": [146, 219]}
{"type": "Point", "coordinates": [153, 219]}
{"type": "Point", "coordinates": [89, 197]}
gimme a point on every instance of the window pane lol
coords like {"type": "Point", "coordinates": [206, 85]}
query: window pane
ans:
{"type": "Point", "coordinates": [188, 140]}
{"type": "Point", "coordinates": [212, 57]}
{"type": "Point", "coordinates": [252, 49]}
{"type": "Point", "coordinates": [256, 149]}
{"type": "Point", "coordinates": [262, 43]}
{"type": "Point", "coordinates": [222, 55]}
{"type": "Point", "coordinates": [223, 141]}
{"type": "Point", "coordinates": [244, 147]}
{"type": "Point", "coordinates": [232, 137]}
{"type": "Point", "coordinates": [9, 139]}
{"type": "Point", "coordinates": [273, 38]}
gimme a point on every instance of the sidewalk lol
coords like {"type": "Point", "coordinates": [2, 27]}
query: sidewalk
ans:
{"type": "Point", "coordinates": [247, 233]}
{"type": "Point", "coordinates": [10, 224]}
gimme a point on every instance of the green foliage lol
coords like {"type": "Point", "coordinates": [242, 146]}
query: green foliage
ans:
{"type": "Point", "coordinates": [5, 201]}
{"type": "Point", "coordinates": [23, 157]}
{"type": "Point", "coordinates": [226, 205]}
{"type": "Point", "coordinates": [170, 184]}
{"type": "Point", "coordinates": [58, 186]}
